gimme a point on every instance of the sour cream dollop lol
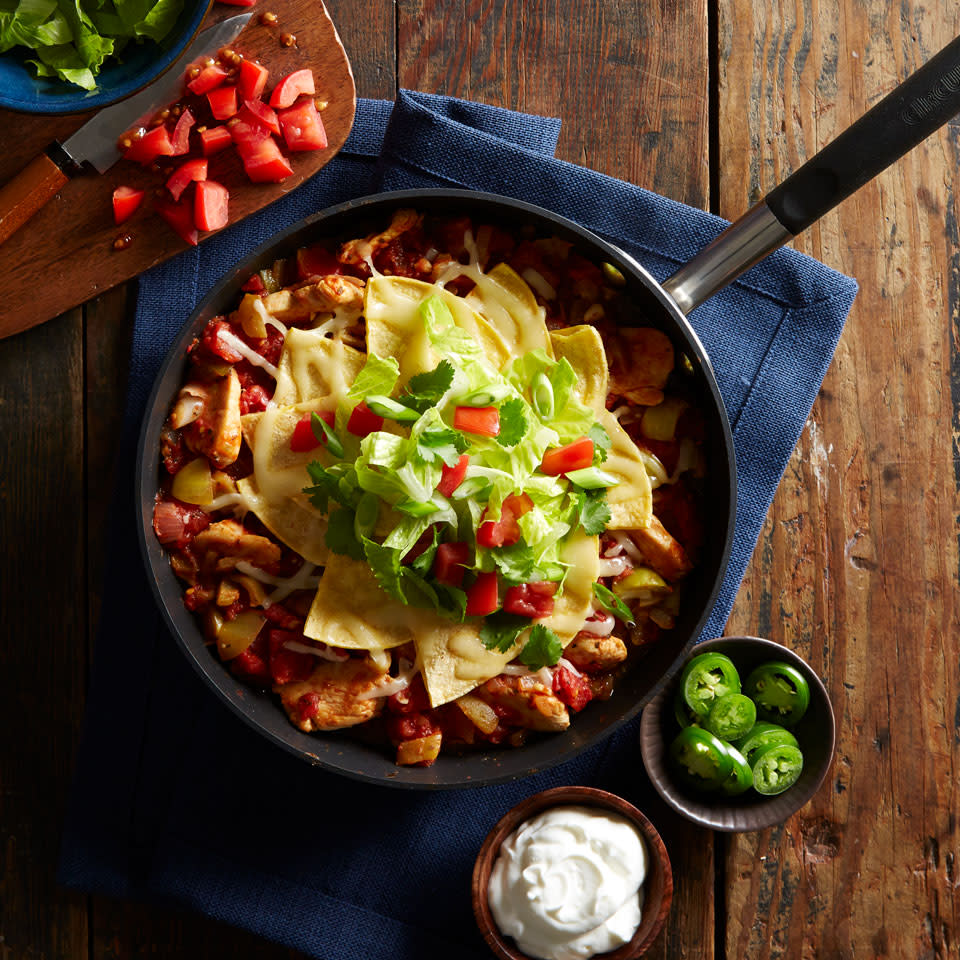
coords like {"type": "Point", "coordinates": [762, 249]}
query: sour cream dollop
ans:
{"type": "Point", "coordinates": [568, 883]}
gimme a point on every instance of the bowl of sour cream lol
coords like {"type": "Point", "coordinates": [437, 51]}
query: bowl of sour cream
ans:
{"type": "Point", "coordinates": [572, 873]}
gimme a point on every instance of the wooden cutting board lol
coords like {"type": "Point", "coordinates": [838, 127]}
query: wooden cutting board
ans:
{"type": "Point", "coordinates": [65, 255]}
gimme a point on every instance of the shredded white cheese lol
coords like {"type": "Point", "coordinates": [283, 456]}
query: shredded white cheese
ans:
{"type": "Point", "coordinates": [388, 686]}
{"type": "Point", "coordinates": [628, 545]}
{"type": "Point", "coordinates": [324, 653]}
{"type": "Point", "coordinates": [539, 283]}
{"type": "Point", "coordinates": [232, 340]}
{"type": "Point", "coordinates": [301, 580]}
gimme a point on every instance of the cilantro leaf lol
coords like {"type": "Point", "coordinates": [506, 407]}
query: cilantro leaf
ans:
{"type": "Point", "coordinates": [601, 442]}
{"type": "Point", "coordinates": [500, 630]}
{"type": "Point", "coordinates": [423, 564]}
{"type": "Point", "coordinates": [425, 389]}
{"type": "Point", "coordinates": [612, 603]}
{"type": "Point", "coordinates": [341, 536]}
{"type": "Point", "coordinates": [542, 649]}
{"type": "Point", "coordinates": [594, 511]}
{"type": "Point", "coordinates": [452, 602]}
{"type": "Point", "coordinates": [445, 445]}
{"type": "Point", "coordinates": [329, 484]}
{"type": "Point", "coordinates": [513, 422]}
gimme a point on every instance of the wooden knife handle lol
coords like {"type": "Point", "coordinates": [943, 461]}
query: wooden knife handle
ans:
{"type": "Point", "coordinates": [34, 186]}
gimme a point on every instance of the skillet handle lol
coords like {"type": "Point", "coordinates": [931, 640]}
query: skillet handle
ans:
{"type": "Point", "coordinates": [908, 114]}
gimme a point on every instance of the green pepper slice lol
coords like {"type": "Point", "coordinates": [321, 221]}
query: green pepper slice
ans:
{"type": "Point", "coordinates": [684, 716]}
{"type": "Point", "coordinates": [764, 735]}
{"type": "Point", "coordinates": [701, 760]}
{"type": "Point", "coordinates": [741, 777]}
{"type": "Point", "coordinates": [776, 768]}
{"type": "Point", "coordinates": [707, 677]}
{"type": "Point", "coordinates": [733, 715]}
{"type": "Point", "coordinates": [780, 691]}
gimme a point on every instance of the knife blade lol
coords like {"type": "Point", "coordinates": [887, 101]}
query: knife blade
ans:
{"type": "Point", "coordinates": [95, 143]}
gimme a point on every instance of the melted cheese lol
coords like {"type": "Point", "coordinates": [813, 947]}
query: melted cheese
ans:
{"type": "Point", "coordinates": [454, 661]}
{"type": "Point", "coordinates": [582, 347]}
{"type": "Point", "coordinates": [575, 604]}
{"type": "Point", "coordinates": [246, 352]}
{"type": "Point", "coordinates": [506, 300]}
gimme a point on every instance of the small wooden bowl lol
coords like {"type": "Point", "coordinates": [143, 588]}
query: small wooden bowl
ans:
{"type": "Point", "coordinates": [816, 734]}
{"type": "Point", "coordinates": [658, 886]}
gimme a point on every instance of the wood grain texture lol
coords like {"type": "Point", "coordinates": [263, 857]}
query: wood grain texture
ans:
{"type": "Point", "coordinates": [856, 568]}
{"type": "Point", "coordinates": [28, 192]}
{"type": "Point", "coordinates": [70, 241]}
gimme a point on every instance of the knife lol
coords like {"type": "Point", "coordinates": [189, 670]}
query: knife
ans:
{"type": "Point", "coordinates": [95, 143]}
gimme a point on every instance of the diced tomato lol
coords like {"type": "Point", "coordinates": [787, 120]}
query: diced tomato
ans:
{"type": "Point", "coordinates": [254, 284]}
{"type": "Point", "coordinates": [281, 617]}
{"type": "Point", "coordinates": [309, 703]}
{"type": "Point", "coordinates": [181, 133]}
{"type": "Point", "coordinates": [410, 726]}
{"type": "Point", "coordinates": [186, 173]}
{"type": "Point", "coordinates": [291, 86]}
{"type": "Point", "coordinates": [245, 132]}
{"type": "Point", "coordinates": [210, 338]}
{"type": "Point", "coordinates": [154, 143]}
{"type": "Point", "coordinates": [210, 205]}
{"type": "Point", "coordinates": [263, 161]}
{"type": "Point", "coordinates": [572, 690]}
{"type": "Point", "coordinates": [256, 111]}
{"type": "Point", "coordinates": [126, 200]}
{"type": "Point", "coordinates": [532, 600]}
{"type": "Point", "coordinates": [412, 699]}
{"type": "Point", "coordinates": [302, 127]}
{"type": "Point", "coordinates": [254, 663]}
{"type": "Point", "coordinates": [180, 217]}
{"type": "Point", "coordinates": [484, 421]}
{"type": "Point", "coordinates": [214, 139]}
{"type": "Point", "coordinates": [316, 261]}
{"type": "Point", "coordinates": [303, 438]}
{"type": "Point", "coordinates": [506, 530]}
{"type": "Point", "coordinates": [573, 456]}
{"type": "Point", "coordinates": [482, 595]}
{"type": "Point", "coordinates": [452, 477]}
{"type": "Point", "coordinates": [254, 399]}
{"type": "Point", "coordinates": [363, 420]}
{"type": "Point", "coordinates": [448, 566]}
{"type": "Point", "coordinates": [208, 79]}
{"type": "Point", "coordinates": [253, 78]}
{"type": "Point", "coordinates": [223, 102]}
{"type": "Point", "coordinates": [288, 666]}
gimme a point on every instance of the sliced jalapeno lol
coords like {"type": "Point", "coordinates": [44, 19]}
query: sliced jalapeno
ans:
{"type": "Point", "coordinates": [707, 677]}
{"type": "Point", "coordinates": [702, 761]}
{"type": "Point", "coordinates": [684, 715]}
{"type": "Point", "coordinates": [741, 777]}
{"type": "Point", "coordinates": [761, 736]}
{"type": "Point", "coordinates": [733, 715]}
{"type": "Point", "coordinates": [780, 691]}
{"type": "Point", "coordinates": [776, 768]}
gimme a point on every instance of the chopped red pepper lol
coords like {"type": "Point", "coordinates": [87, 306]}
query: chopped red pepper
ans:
{"type": "Point", "coordinates": [484, 421]}
{"type": "Point", "coordinates": [452, 477]}
{"type": "Point", "coordinates": [530, 599]}
{"type": "Point", "coordinates": [291, 86]}
{"type": "Point", "coordinates": [363, 420]}
{"type": "Point", "coordinates": [506, 530]}
{"type": "Point", "coordinates": [126, 200]}
{"type": "Point", "coordinates": [573, 456]}
{"type": "Point", "coordinates": [448, 566]}
{"type": "Point", "coordinates": [482, 595]}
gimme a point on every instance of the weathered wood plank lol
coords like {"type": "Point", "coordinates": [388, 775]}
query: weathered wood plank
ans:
{"type": "Point", "coordinates": [42, 609]}
{"type": "Point", "coordinates": [630, 82]}
{"type": "Point", "coordinates": [857, 565]}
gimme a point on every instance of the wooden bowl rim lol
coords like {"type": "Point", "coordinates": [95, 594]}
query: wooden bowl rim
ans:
{"type": "Point", "coordinates": [658, 884]}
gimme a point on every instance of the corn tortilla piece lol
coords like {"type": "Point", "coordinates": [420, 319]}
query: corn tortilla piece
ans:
{"type": "Point", "coordinates": [293, 520]}
{"type": "Point", "coordinates": [506, 300]}
{"type": "Point", "coordinates": [313, 366]}
{"type": "Point", "coordinates": [631, 500]}
{"type": "Point", "coordinates": [573, 606]}
{"type": "Point", "coordinates": [395, 329]}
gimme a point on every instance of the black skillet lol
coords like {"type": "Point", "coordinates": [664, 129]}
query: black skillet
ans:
{"type": "Point", "coordinates": [909, 114]}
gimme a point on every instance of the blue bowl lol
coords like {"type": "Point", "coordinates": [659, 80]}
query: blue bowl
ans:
{"type": "Point", "coordinates": [139, 64]}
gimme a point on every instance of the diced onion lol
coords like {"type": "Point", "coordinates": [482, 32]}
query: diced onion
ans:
{"type": "Point", "coordinates": [614, 550]}
{"type": "Point", "coordinates": [515, 670]}
{"type": "Point", "coordinates": [232, 340]}
{"type": "Point", "coordinates": [599, 628]}
{"type": "Point", "coordinates": [226, 500]}
{"type": "Point", "coordinates": [567, 665]}
{"type": "Point", "coordinates": [539, 283]}
{"type": "Point", "coordinates": [628, 545]}
{"type": "Point", "coordinates": [186, 409]}
{"type": "Point", "coordinates": [388, 686]}
{"type": "Point", "coordinates": [324, 653]}
{"type": "Point", "coordinates": [612, 566]}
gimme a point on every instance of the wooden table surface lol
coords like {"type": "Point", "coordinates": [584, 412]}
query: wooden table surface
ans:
{"type": "Point", "coordinates": [710, 102]}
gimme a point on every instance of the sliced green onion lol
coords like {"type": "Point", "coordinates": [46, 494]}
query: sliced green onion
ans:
{"type": "Point", "coordinates": [612, 603]}
{"type": "Point", "coordinates": [414, 508]}
{"type": "Point", "coordinates": [486, 396]}
{"type": "Point", "coordinates": [325, 435]}
{"type": "Point", "coordinates": [365, 519]}
{"type": "Point", "coordinates": [541, 393]}
{"type": "Point", "coordinates": [389, 408]}
{"type": "Point", "coordinates": [591, 478]}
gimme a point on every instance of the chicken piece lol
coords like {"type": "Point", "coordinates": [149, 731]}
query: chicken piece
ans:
{"type": "Point", "coordinates": [329, 698]}
{"type": "Point", "coordinates": [661, 550]}
{"type": "Point", "coordinates": [356, 252]}
{"type": "Point", "coordinates": [228, 538]}
{"type": "Point", "coordinates": [327, 294]}
{"type": "Point", "coordinates": [526, 702]}
{"type": "Point", "coordinates": [214, 429]}
{"type": "Point", "coordinates": [641, 359]}
{"type": "Point", "coordinates": [591, 654]}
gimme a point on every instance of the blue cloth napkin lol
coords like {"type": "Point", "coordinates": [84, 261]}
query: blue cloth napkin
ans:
{"type": "Point", "coordinates": [175, 799]}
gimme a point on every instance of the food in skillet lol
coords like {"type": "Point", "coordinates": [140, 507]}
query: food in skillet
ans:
{"type": "Point", "coordinates": [429, 481]}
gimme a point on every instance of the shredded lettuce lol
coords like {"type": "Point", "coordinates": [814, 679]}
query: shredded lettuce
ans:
{"type": "Point", "coordinates": [73, 38]}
